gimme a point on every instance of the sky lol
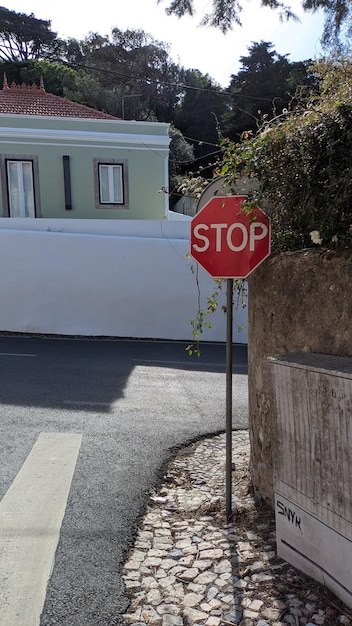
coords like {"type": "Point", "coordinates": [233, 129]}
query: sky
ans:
{"type": "Point", "coordinates": [190, 45]}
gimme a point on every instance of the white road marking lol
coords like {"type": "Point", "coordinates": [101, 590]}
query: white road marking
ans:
{"type": "Point", "coordinates": [16, 354]}
{"type": "Point", "coordinates": [31, 514]}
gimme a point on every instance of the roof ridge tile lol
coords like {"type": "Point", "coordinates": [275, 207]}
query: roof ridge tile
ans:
{"type": "Point", "coordinates": [32, 100]}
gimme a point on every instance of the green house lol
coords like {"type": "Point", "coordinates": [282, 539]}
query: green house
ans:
{"type": "Point", "coordinates": [62, 159]}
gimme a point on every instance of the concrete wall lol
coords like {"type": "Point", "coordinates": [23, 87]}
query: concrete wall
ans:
{"type": "Point", "coordinates": [300, 301]}
{"type": "Point", "coordinates": [103, 278]}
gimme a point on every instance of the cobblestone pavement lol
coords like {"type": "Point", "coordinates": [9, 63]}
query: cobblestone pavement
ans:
{"type": "Point", "coordinates": [189, 566]}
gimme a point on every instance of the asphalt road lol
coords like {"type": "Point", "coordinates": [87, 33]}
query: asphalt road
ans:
{"type": "Point", "coordinates": [134, 403]}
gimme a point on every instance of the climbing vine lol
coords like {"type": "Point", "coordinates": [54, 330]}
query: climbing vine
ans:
{"type": "Point", "coordinates": [302, 161]}
{"type": "Point", "coordinates": [202, 318]}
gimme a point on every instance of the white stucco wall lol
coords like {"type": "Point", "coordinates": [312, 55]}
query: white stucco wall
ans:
{"type": "Point", "coordinates": [103, 278]}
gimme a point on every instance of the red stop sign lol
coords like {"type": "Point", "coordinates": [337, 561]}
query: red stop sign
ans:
{"type": "Point", "coordinates": [227, 242]}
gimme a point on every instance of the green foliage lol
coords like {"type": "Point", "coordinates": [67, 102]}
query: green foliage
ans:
{"type": "Point", "coordinates": [201, 319]}
{"type": "Point", "coordinates": [225, 13]}
{"type": "Point", "coordinates": [87, 90]}
{"type": "Point", "coordinates": [302, 160]}
{"type": "Point", "coordinates": [57, 78]}
{"type": "Point", "coordinates": [24, 37]}
{"type": "Point", "coordinates": [128, 74]}
{"type": "Point", "coordinates": [180, 155]}
{"type": "Point", "coordinates": [198, 115]}
{"type": "Point", "coordinates": [338, 20]}
{"type": "Point", "coordinates": [266, 83]}
{"type": "Point", "coordinates": [181, 151]}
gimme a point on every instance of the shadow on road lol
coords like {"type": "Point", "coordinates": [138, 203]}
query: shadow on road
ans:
{"type": "Point", "coordinates": [91, 375]}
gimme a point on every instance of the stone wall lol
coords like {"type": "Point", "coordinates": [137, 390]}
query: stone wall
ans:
{"type": "Point", "coordinates": [298, 301]}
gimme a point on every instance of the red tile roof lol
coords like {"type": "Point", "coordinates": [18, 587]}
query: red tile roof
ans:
{"type": "Point", "coordinates": [32, 100]}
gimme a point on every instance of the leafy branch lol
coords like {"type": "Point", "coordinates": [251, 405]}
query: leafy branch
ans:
{"type": "Point", "coordinates": [201, 319]}
{"type": "Point", "coordinates": [301, 161]}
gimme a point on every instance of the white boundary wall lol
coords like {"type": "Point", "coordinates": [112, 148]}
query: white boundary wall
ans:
{"type": "Point", "coordinates": [111, 278]}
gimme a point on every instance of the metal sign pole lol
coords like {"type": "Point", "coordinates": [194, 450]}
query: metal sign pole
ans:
{"type": "Point", "coordinates": [229, 324]}
{"type": "Point", "coordinates": [217, 252]}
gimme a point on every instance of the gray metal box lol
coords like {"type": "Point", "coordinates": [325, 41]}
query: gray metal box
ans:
{"type": "Point", "coordinates": [313, 470]}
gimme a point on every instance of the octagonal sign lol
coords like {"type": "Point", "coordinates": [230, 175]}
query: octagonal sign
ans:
{"type": "Point", "coordinates": [228, 242]}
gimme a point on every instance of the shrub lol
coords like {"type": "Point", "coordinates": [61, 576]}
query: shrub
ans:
{"type": "Point", "coordinates": [302, 160]}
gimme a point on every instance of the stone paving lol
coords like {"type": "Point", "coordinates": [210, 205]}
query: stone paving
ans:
{"type": "Point", "coordinates": [190, 567]}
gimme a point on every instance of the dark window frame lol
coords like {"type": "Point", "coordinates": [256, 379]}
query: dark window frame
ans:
{"type": "Point", "coordinates": [123, 163]}
{"type": "Point", "coordinates": [4, 158]}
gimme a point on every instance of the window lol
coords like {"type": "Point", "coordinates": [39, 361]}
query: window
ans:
{"type": "Point", "coordinates": [111, 189]}
{"type": "Point", "coordinates": [20, 188]}
{"type": "Point", "coordinates": [110, 184]}
{"type": "Point", "coordinates": [20, 182]}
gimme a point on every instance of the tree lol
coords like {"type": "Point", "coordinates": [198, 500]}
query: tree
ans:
{"type": "Point", "coordinates": [302, 162]}
{"type": "Point", "coordinates": [128, 74]}
{"type": "Point", "coordinates": [198, 116]}
{"type": "Point", "coordinates": [57, 77]}
{"type": "Point", "coordinates": [265, 85]}
{"type": "Point", "coordinates": [24, 37]}
{"type": "Point", "coordinates": [226, 13]}
{"type": "Point", "coordinates": [181, 151]}
{"type": "Point", "coordinates": [181, 155]}
{"type": "Point", "coordinates": [150, 77]}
